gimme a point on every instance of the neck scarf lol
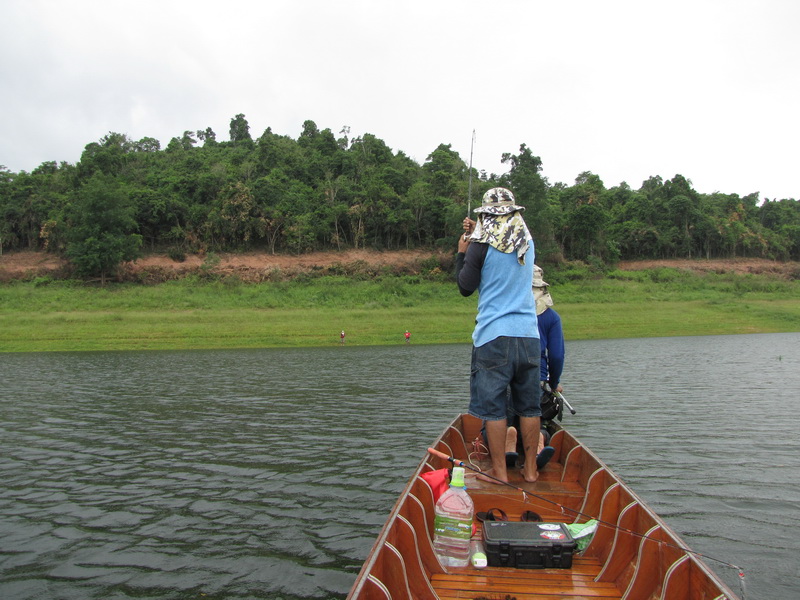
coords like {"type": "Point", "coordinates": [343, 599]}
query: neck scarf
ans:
{"type": "Point", "coordinates": [505, 233]}
{"type": "Point", "coordinates": [543, 300]}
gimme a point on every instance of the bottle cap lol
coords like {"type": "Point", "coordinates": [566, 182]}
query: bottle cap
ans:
{"type": "Point", "coordinates": [457, 479]}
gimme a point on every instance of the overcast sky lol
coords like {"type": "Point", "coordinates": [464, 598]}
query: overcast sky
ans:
{"type": "Point", "coordinates": [624, 89]}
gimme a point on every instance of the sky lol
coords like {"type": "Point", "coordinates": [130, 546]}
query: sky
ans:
{"type": "Point", "coordinates": [627, 90]}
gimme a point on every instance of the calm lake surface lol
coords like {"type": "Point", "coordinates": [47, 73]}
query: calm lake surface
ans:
{"type": "Point", "coordinates": [268, 473]}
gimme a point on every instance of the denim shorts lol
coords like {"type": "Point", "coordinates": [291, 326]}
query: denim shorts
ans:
{"type": "Point", "coordinates": [506, 364]}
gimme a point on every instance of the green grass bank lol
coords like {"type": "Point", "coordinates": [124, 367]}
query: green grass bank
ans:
{"type": "Point", "coordinates": [47, 315]}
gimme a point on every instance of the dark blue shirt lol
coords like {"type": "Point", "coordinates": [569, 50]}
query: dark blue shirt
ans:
{"type": "Point", "coordinates": [551, 337]}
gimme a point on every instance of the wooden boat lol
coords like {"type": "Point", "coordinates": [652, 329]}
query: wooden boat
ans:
{"type": "Point", "coordinates": [633, 554]}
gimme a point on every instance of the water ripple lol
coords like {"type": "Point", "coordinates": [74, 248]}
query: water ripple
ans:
{"type": "Point", "coordinates": [267, 474]}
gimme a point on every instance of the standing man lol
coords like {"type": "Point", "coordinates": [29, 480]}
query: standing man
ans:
{"type": "Point", "coordinates": [341, 338]}
{"type": "Point", "coordinates": [408, 336]}
{"type": "Point", "coordinates": [497, 261]}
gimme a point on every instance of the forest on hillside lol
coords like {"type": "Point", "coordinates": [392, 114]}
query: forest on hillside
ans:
{"type": "Point", "coordinates": [323, 192]}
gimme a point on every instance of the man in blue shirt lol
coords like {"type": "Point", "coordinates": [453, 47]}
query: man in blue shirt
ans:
{"type": "Point", "coordinates": [551, 335]}
{"type": "Point", "coordinates": [496, 259]}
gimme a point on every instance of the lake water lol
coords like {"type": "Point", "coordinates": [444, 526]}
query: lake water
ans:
{"type": "Point", "coordinates": [268, 473]}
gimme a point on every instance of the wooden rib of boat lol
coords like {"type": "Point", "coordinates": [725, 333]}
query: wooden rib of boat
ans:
{"type": "Point", "coordinates": [632, 555]}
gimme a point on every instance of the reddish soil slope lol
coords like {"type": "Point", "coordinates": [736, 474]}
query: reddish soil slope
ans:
{"type": "Point", "coordinates": [260, 266]}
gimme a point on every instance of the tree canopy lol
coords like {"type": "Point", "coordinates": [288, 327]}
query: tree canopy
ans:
{"type": "Point", "coordinates": [324, 191]}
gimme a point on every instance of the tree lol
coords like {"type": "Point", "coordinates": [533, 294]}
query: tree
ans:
{"type": "Point", "coordinates": [101, 228]}
{"type": "Point", "coordinates": [108, 156]}
{"type": "Point", "coordinates": [240, 131]}
{"type": "Point", "coordinates": [241, 221]}
{"type": "Point", "coordinates": [5, 186]}
{"type": "Point", "coordinates": [281, 202]}
{"type": "Point", "coordinates": [147, 144]}
{"type": "Point", "coordinates": [419, 202]}
{"type": "Point", "coordinates": [333, 209]}
{"type": "Point", "coordinates": [309, 134]}
{"type": "Point", "coordinates": [530, 190]}
{"type": "Point", "coordinates": [585, 219]}
{"type": "Point", "coordinates": [207, 136]}
{"type": "Point", "coordinates": [446, 173]}
{"type": "Point", "coordinates": [586, 225]}
{"type": "Point", "coordinates": [187, 140]}
{"type": "Point", "coordinates": [324, 191]}
{"type": "Point", "coordinates": [783, 217]}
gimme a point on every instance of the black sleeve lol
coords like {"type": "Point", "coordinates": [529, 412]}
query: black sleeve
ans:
{"type": "Point", "coordinates": [468, 267]}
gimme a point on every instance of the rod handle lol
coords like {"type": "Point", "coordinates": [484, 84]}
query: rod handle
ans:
{"type": "Point", "coordinates": [455, 461]}
{"type": "Point", "coordinates": [435, 452]}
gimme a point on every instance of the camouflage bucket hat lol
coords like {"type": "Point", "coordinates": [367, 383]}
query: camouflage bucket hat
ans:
{"type": "Point", "coordinates": [540, 291]}
{"type": "Point", "coordinates": [538, 277]}
{"type": "Point", "coordinates": [498, 201]}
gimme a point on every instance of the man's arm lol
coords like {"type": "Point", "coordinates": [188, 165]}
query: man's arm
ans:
{"type": "Point", "coordinates": [555, 350]}
{"type": "Point", "coordinates": [468, 267]}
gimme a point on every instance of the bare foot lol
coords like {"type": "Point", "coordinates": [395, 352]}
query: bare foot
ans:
{"type": "Point", "coordinates": [511, 439]}
{"type": "Point", "coordinates": [530, 477]}
{"type": "Point", "coordinates": [494, 479]}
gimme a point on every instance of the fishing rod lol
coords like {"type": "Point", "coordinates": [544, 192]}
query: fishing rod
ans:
{"type": "Point", "coordinates": [564, 400]}
{"type": "Point", "coordinates": [469, 187]}
{"type": "Point", "coordinates": [558, 395]}
{"type": "Point", "coordinates": [525, 494]}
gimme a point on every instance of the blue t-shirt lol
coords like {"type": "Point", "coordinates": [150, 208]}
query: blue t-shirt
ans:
{"type": "Point", "coordinates": [506, 306]}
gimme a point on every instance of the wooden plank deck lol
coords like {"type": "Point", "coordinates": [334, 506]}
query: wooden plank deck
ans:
{"type": "Point", "coordinates": [553, 499]}
{"type": "Point", "coordinates": [500, 583]}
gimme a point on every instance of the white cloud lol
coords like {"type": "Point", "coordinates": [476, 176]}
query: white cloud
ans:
{"type": "Point", "coordinates": [624, 89]}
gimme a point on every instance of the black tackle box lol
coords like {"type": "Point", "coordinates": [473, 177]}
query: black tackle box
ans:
{"type": "Point", "coordinates": [528, 545]}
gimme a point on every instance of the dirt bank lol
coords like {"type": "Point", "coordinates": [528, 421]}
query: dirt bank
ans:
{"type": "Point", "coordinates": [249, 266]}
{"type": "Point", "coordinates": [260, 266]}
{"type": "Point", "coordinates": [789, 270]}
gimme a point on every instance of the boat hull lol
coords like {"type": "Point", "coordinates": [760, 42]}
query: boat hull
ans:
{"type": "Point", "coordinates": [633, 554]}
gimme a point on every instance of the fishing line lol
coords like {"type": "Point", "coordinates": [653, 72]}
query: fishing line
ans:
{"type": "Point", "coordinates": [525, 494]}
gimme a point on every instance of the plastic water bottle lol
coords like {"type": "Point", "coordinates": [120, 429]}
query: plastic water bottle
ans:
{"type": "Point", "coordinates": [453, 523]}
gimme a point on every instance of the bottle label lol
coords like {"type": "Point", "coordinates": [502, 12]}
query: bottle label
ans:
{"type": "Point", "coordinates": [452, 528]}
